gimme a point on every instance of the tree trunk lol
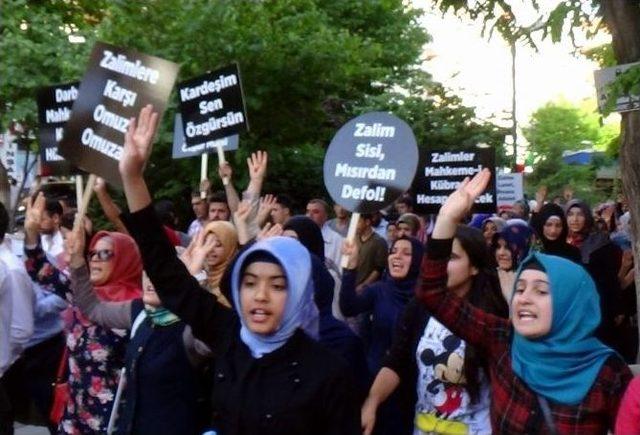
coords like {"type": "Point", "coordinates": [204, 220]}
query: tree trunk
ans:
{"type": "Point", "coordinates": [622, 18]}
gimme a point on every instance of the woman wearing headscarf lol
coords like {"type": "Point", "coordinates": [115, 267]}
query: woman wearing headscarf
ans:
{"type": "Point", "coordinates": [602, 259]}
{"type": "Point", "coordinates": [491, 226]}
{"type": "Point", "coordinates": [96, 354]}
{"type": "Point", "coordinates": [509, 247]}
{"type": "Point", "coordinates": [549, 372]}
{"type": "Point", "coordinates": [550, 225]}
{"type": "Point", "coordinates": [161, 357]}
{"type": "Point", "coordinates": [225, 239]}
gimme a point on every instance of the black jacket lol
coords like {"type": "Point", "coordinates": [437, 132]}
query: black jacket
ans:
{"type": "Point", "coordinates": [301, 388]}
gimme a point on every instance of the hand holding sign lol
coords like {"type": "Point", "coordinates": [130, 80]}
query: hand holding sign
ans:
{"type": "Point", "coordinates": [350, 251]}
{"type": "Point", "coordinates": [33, 217]}
{"type": "Point", "coordinates": [138, 143]}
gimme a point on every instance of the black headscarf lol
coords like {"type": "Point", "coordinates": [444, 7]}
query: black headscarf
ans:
{"type": "Point", "coordinates": [558, 247]}
{"type": "Point", "coordinates": [593, 240]}
{"type": "Point", "coordinates": [308, 232]}
{"type": "Point", "coordinates": [403, 289]}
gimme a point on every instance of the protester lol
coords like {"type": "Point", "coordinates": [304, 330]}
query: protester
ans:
{"type": "Point", "coordinates": [408, 225]}
{"type": "Point", "coordinates": [372, 253]}
{"type": "Point", "coordinates": [548, 371]}
{"type": "Point", "coordinates": [450, 378]}
{"type": "Point", "coordinates": [282, 209]}
{"type": "Point", "coordinates": [602, 259]}
{"type": "Point", "coordinates": [201, 210]}
{"type": "Point", "coordinates": [317, 210]}
{"type": "Point", "coordinates": [386, 298]}
{"type": "Point", "coordinates": [490, 226]}
{"type": "Point", "coordinates": [270, 376]}
{"type": "Point", "coordinates": [218, 207]}
{"type": "Point", "coordinates": [340, 224]}
{"type": "Point", "coordinates": [509, 247]}
{"type": "Point", "coordinates": [392, 232]}
{"type": "Point", "coordinates": [51, 238]}
{"type": "Point", "coordinates": [224, 237]}
{"type": "Point", "coordinates": [550, 225]}
{"type": "Point", "coordinates": [96, 354]}
{"type": "Point", "coordinates": [521, 210]}
{"type": "Point", "coordinates": [160, 388]}
{"type": "Point", "coordinates": [6, 417]}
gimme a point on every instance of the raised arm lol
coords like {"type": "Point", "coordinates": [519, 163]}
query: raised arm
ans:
{"type": "Point", "coordinates": [225, 171]}
{"type": "Point", "coordinates": [110, 208]}
{"type": "Point", "coordinates": [459, 316]}
{"type": "Point", "coordinates": [179, 291]}
{"type": "Point", "coordinates": [352, 303]}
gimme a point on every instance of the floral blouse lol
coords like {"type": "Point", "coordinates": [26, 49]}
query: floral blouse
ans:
{"type": "Point", "coordinates": [96, 355]}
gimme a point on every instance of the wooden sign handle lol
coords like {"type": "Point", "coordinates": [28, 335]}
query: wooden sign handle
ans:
{"type": "Point", "coordinates": [204, 168]}
{"type": "Point", "coordinates": [351, 235]}
{"type": "Point", "coordinates": [86, 197]}
{"type": "Point", "coordinates": [78, 179]}
{"type": "Point", "coordinates": [222, 161]}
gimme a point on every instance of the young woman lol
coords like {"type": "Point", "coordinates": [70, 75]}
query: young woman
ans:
{"type": "Point", "coordinates": [602, 259]}
{"type": "Point", "coordinates": [509, 247]}
{"type": "Point", "coordinates": [270, 377]}
{"type": "Point", "coordinates": [443, 382]}
{"type": "Point", "coordinates": [548, 371]}
{"type": "Point", "coordinates": [491, 226]}
{"type": "Point", "coordinates": [225, 239]}
{"type": "Point", "coordinates": [386, 298]}
{"type": "Point", "coordinates": [160, 389]}
{"type": "Point", "coordinates": [550, 226]}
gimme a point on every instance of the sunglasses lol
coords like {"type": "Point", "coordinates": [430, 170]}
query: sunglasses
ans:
{"type": "Point", "coordinates": [102, 254]}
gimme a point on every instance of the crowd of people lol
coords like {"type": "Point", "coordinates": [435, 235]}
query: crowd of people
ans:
{"type": "Point", "coordinates": [244, 322]}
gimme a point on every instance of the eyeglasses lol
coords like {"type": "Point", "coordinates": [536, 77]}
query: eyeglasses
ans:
{"type": "Point", "coordinates": [102, 254]}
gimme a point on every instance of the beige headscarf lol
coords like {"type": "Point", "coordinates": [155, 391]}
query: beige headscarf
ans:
{"type": "Point", "coordinates": [228, 236]}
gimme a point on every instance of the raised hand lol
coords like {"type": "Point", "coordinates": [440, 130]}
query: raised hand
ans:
{"type": "Point", "coordinates": [541, 196]}
{"type": "Point", "coordinates": [225, 171]}
{"type": "Point", "coordinates": [75, 246]}
{"type": "Point", "coordinates": [138, 143]}
{"type": "Point", "coordinates": [267, 203]}
{"type": "Point", "coordinates": [257, 164]}
{"type": "Point", "coordinates": [100, 186]}
{"type": "Point", "coordinates": [350, 250]}
{"type": "Point", "coordinates": [33, 217]}
{"type": "Point", "coordinates": [204, 243]}
{"type": "Point", "coordinates": [458, 204]}
{"type": "Point", "coordinates": [269, 231]}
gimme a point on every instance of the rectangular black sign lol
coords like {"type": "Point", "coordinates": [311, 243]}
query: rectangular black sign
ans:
{"type": "Point", "coordinates": [441, 172]}
{"type": "Point", "coordinates": [182, 150]}
{"type": "Point", "coordinates": [54, 110]}
{"type": "Point", "coordinates": [212, 107]}
{"type": "Point", "coordinates": [117, 84]}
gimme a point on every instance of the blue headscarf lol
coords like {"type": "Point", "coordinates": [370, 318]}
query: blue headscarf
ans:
{"type": "Point", "coordinates": [563, 365]}
{"type": "Point", "coordinates": [300, 310]}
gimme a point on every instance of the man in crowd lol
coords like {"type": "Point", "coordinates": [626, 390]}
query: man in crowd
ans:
{"type": "Point", "coordinates": [408, 225]}
{"type": "Point", "coordinates": [317, 211]}
{"type": "Point", "coordinates": [282, 210]}
{"type": "Point", "coordinates": [50, 235]}
{"type": "Point", "coordinates": [201, 210]}
{"type": "Point", "coordinates": [218, 207]}
{"type": "Point", "coordinates": [372, 257]}
{"type": "Point", "coordinates": [340, 224]}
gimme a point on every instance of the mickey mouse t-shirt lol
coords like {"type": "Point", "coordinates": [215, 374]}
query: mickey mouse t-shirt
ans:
{"type": "Point", "coordinates": [444, 406]}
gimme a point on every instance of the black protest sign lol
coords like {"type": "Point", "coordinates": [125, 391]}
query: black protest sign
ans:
{"type": "Point", "coordinates": [212, 107]}
{"type": "Point", "coordinates": [370, 162]}
{"type": "Point", "coordinates": [441, 172]}
{"type": "Point", "coordinates": [182, 150]}
{"type": "Point", "coordinates": [54, 110]}
{"type": "Point", "coordinates": [118, 83]}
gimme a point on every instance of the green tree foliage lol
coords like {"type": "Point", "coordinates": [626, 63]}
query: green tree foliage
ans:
{"type": "Point", "coordinates": [307, 67]}
{"type": "Point", "coordinates": [560, 126]}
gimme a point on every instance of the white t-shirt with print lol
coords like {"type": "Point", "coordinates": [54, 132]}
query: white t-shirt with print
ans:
{"type": "Point", "coordinates": [441, 383]}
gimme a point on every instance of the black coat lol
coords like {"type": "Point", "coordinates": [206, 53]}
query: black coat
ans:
{"type": "Point", "coordinates": [301, 388]}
